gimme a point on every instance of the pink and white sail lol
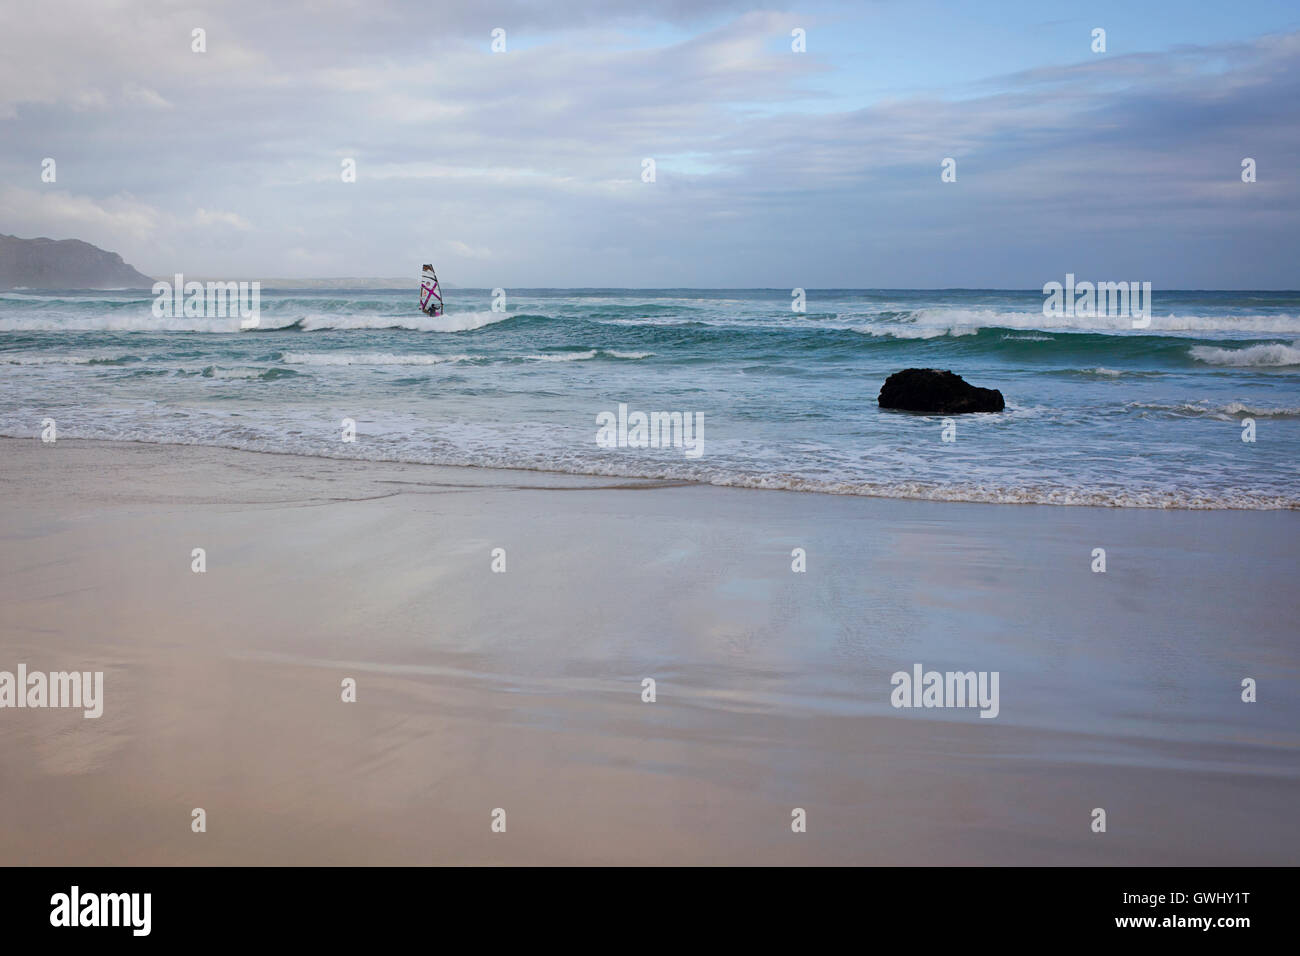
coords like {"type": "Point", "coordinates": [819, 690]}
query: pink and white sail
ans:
{"type": "Point", "coordinates": [430, 293]}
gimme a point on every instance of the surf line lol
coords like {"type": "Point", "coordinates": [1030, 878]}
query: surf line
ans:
{"type": "Point", "coordinates": [1091, 300]}
{"type": "Point", "coordinates": [216, 300]}
{"type": "Point", "coordinates": [84, 689]}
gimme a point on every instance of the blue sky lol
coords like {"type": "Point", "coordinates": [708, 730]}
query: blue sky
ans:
{"type": "Point", "coordinates": [773, 168]}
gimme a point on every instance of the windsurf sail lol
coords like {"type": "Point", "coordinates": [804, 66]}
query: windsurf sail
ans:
{"type": "Point", "coordinates": [430, 293]}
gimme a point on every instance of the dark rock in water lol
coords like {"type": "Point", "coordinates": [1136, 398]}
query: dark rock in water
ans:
{"type": "Point", "coordinates": [936, 392]}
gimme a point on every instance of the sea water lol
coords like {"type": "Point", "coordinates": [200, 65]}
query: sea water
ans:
{"type": "Point", "coordinates": [1098, 412]}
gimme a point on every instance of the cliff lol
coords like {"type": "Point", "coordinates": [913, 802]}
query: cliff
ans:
{"type": "Point", "coordinates": [64, 264]}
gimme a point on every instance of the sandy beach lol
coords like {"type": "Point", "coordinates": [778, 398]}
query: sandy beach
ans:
{"type": "Point", "coordinates": [522, 690]}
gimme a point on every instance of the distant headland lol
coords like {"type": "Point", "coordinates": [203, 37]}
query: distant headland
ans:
{"type": "Point", "coordinates": [64, 264]}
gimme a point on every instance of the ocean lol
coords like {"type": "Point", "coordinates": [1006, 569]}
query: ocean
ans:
{"type": "Point", "coordinates": [1098, 413]}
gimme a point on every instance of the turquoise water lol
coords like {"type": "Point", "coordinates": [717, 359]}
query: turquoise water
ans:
{"type": "Point", "coordinates": [1097, 412]}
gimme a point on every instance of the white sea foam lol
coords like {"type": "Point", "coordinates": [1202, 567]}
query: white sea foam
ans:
{"type": "Point", "coordinates": [945, 318]}
{"type": "Point", "coordinates": [142, 321]}
{"type": "Point", "coordinates": [1223, 412]}
{"type": "Point", "coordinates": [902, 331]}
{"type": "Point", "coordinates": [938, 321]}
{"type": "Point", "coordinates": [893, 321]}
{"type": "Point", "coordinates": [221, 371]}
{"type": "Point", "coordinates": [491, 455]}
{"type": "Point", "coordinates": [565, 356]}
{"type": "Point", "coordinates": [145, 321]}
{"type": "Point", "coordinates": [452, 322]}
{"type": "Point", "coordinates": [81, 299]}
{"type": "Point", "coordinates": [389, 358]}
{"type": "Point", "coordinates": [1266, 355]}
{"type": "Point", "coordinates": [61, 359]}
{"type": "Point", "coordinates": [1194, 500]}
{"type": "Point", "coordinates": [368, 358]}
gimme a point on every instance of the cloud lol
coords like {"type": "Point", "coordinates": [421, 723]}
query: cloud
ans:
{"type": "Point", "coordinates": [143, 96]}
{"type": "Point", "coordinates": [525, 167]}
{"type": "Point", "coordinates": [460, 249]}
{"type": "Point", "coordinates": [211, 217]}
{"type": "Point", "coordinates": [66, 215]}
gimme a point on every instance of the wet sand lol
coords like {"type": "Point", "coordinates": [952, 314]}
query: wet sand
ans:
{"type": "Point", "coordinates": [523, 690]}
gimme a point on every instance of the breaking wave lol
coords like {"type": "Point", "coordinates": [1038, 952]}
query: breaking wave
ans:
{"type": "Point", "coordinates": [1264, 355]}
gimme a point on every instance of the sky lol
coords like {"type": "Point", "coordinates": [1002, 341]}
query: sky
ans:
{"type": "Point", "coordinates": [772, 168]}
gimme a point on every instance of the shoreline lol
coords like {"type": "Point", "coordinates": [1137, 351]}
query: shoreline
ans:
{"type": "Point", "coordinates": [523, 690]}
{"type": "Point", "coordinates": [752, 483]}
